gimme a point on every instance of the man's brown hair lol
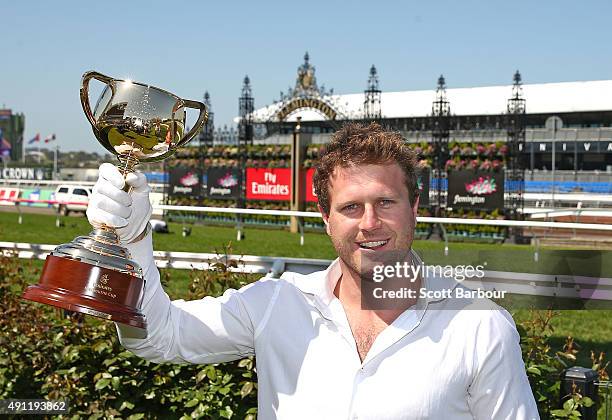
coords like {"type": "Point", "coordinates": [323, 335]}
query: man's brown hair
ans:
{"type": "Point", "coordinates": [359, 144]}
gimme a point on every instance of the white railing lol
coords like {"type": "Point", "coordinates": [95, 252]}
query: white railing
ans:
{"type": "Point", "coordinates": [567, 286]}
{"type": "Point", "coordinates": [420, 219]}
{"type": "Point", "coordinates": [558, 197]}
{"type": "Point", "coordinates": [569, 197]}
{"type": "Point", "coordinates": [442, 220]}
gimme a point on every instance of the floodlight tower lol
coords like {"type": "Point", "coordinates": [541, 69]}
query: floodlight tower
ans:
{"type": "Point", "coordinates": [371, 104]}
{"type": "Point", "coordinates": [246, 106]}
{"type": "Point", "coordinates": [205, 140]}
{"type": "Point", "coordinates": [515, 140]}
{"type": "Point", "coordinates": [207, 134]}
{"type": "Point", "coordinates": [440, 122]}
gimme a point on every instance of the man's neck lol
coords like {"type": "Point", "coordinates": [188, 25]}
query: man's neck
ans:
{"type": "Point", "coordinates": [348, 291]}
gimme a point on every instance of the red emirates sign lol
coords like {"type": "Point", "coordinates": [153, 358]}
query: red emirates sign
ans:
{"type": "Point", "coordinates": [268, 184]}
{"type": "Point", "coordinates": [311, 197]}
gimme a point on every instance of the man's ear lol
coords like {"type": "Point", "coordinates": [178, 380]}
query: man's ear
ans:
{"type": "Point", "coordinates": [415, 208]}
{"type": "Point", "coordinates": [325, 218]}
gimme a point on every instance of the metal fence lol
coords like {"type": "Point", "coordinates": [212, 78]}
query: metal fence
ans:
{"type": "Point", "coordinates": [605, 390]}
{"type": "Point", "coordinates": [585, 382]}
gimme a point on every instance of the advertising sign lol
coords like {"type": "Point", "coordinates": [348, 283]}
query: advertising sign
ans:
{"type": "Point", "coordinates": [311, 197]}
{"type": "Point", "coordinates": [31, 174]}
{"type": "Point", "coordinates": [475, 190]}
{"type": "Point", "coordinates": [223, 183]}
{"type": "Point", "coordinates": [268, 184]}
{"type": "Point", "coordinates": [423, 185]}
{"type": "Point", "coordinates": [580, 147]}
{"type": "Point", "coordinates": [185, 182]}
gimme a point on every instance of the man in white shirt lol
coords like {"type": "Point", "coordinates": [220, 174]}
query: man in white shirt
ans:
{"type": "Point", "coordinates": [320, 352]}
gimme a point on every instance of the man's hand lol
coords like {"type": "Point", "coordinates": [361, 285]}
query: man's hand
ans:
{"type": "Point", "coordinates": [113, 207]}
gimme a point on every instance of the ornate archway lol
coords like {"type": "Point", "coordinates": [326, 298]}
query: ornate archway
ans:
{"type": "Point", "coordinates": [306, 95]}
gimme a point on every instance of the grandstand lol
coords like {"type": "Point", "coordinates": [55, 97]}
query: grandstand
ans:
{"type": "Point", "coordinates": [582, 134]}
{"type": "Point", "coordinates": [568, 187]}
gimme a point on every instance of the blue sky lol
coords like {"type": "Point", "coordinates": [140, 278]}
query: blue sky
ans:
{"type": "Point", "coordinates": [196, 46]}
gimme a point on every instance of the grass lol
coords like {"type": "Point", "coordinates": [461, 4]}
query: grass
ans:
{"type": "Point", "coordinates": [41, 229]}
{"type": "Point", "coordinates": [592, 329]}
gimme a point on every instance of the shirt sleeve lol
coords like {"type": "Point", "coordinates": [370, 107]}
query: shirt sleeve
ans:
{"type": "Point", "coordinates": [500, 388]}
{"type": "Point", "coordinates": [209, 330]}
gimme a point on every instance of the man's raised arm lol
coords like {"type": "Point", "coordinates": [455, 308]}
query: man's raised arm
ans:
{"type": "Point", "coordinates": [208, 330]}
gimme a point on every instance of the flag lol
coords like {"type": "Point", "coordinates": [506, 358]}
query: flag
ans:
{"type": "Point", "coordinates": [49, 138]}
{"type": "Point", "coordinates": [34, 139]}
{"type": "Point", "coordinates": [5, 147]}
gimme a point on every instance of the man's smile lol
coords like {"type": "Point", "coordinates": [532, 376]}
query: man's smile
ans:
{"type": "Point", "coordinates": [373, 244]}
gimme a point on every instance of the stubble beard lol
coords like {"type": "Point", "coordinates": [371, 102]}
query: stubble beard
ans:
{"type": "Point", "coordinates": [353, 260]}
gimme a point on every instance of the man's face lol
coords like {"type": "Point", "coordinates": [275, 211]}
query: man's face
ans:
{"type": "Point", "coordinates": [370, 213]}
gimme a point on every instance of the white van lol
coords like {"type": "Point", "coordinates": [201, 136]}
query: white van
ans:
{"type": "Point", "coordinates": [72, 198]}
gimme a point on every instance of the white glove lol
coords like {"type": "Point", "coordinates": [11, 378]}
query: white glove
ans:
{"type": "Point", "coordinates": [129, 213]}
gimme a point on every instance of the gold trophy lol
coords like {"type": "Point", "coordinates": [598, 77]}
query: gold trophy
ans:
{"type": "Point", "coordinates": [94, 274]}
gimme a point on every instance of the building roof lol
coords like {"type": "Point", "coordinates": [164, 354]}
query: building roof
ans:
{"type": "Point", "coordinates": [544, 98]}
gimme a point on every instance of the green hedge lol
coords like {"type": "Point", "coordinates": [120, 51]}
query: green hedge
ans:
{"type": "Point", "coordinates": [46, 355]}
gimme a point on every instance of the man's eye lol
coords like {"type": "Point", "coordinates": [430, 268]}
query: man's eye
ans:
{"type": "Point", "coordinates": [350, 207]}
{"type": "Point", "coordinates": [386, 203]}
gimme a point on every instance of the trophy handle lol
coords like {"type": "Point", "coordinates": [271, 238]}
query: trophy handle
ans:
{"type": "Point", "coordinates": [84, 92]}
{"type": "Point", "coordinates": [202, 119]}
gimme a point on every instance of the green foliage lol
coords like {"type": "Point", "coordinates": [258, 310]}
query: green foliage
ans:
{"type": "Point", "coordinates": [47, 355]}
{"type": "Point", "coordinates": [571, 407]}
{"type": "Point", "coordinates": [53, 357]}
{"type": "Point", "coordinates": [476, 233]}
{"type": "Point", "coordinates": [544, 366]}
{"type": "Point", "coordinates": [255, 156]}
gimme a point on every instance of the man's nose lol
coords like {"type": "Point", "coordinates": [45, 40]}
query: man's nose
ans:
{"type": "Point", "coordinates": [369, 219]}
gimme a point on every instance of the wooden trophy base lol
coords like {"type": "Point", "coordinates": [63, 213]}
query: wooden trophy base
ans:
{"type": "Point", "coordinates": [91, 288]}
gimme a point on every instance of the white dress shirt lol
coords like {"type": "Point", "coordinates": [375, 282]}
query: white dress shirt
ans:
{"type": "Point", "coordinates": [431, 362]}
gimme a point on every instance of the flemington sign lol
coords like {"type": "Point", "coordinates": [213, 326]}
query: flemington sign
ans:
{"type": "Point", "coordinates": [306, 95]}
{"type": "Point", "coordinates": [29, 174]}
{"type": "Point", "coordinates": [216, 182]}
{"type": "Point", "coordinates": [223, 183]}
{"type": "Point", "coordinates": [475, 190]}
{"type": "Point", "coordinates": [185, 182]}
{"type": "Point", "coordinates": [312, 103]}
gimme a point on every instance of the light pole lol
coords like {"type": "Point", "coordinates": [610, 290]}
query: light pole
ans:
{"type": "Point", "coordinates": [554, 123]}
{"type": "Point", "coordinates": [55, 169]}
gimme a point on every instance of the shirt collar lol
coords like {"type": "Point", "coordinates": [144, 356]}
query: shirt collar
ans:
{"type": "Point", "coordinates": [321, 284]}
